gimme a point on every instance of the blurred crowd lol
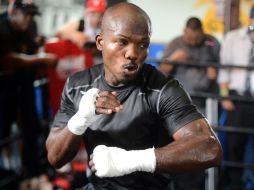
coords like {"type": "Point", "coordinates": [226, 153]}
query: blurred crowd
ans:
{"type": "Point", "coordinates": [33, 70]}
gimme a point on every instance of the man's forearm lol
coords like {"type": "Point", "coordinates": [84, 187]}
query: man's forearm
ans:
{"type": "Point", "coordinates": [62, 146]}
{"type": "Point", "coordinates": [16, 61]}
{"type": "Point", "coordinates": [188, 154]}
{"type": "Point", "coordinates": [224, 91]}
{"type": "Point", "coordinates": [195, 147]}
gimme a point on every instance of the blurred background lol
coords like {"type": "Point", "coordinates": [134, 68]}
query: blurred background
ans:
{"type": "Point", "coordinates": [23, 162]}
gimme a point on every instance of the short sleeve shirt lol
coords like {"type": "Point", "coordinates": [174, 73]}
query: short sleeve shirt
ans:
{"type": "Point", "coordinates": [154, 108]}
{"type": "Point", "coordinates": [15, 42]}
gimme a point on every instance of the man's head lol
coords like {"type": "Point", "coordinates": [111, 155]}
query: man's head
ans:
{"type": "Point", "coordinates": [251, 24]}
{"type": "Point", "coordinates": [22, 13]}
{"type": "Point", "coordinates": [124, 40]}
{"type": "Point", "coordinates": [94, 11]}
{"type": "Point", "coordinates": [193, 32]}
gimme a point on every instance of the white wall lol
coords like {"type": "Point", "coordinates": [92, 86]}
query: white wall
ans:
{"type": "Point", "coordinates": [56, 13]}
{"type": "Point", "coordinates": [169, 16]}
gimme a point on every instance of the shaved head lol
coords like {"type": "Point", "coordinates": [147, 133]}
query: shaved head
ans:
{"type": "Point", "coordinates": [128, 15]}
{"type": "Point", "coordinates": [124, 41]}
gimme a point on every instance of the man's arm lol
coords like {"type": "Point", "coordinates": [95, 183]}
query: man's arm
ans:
{"type": "Point", "coordinates": [195, 145]}
{"type": "Point", "coordinates": [214, 51]}
{"type": "Point", "coordinates": [227, 104]}
{"type": "Point", "coordinates": [70, 32]}
{"type": "Point", "coordinates": [173, 52]}
{"type": "Point", "coordinates": [63, 143]}
{"type": "Point", "coordinates": [195, 148]}
{"type": "Point", "coordinates": [62, 146]}
{"type": "Point", "coordinates": [15, 60]}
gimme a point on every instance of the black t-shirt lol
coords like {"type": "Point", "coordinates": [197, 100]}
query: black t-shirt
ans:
{"type": "Point", "coordinates": [16, 42]}
{"type": "Point", "coordinates": [154, 107]}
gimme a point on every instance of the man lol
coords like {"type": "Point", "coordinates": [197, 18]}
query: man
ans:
{"type": "Point", "coordinates": [196, 47]}
{"type": "Point", "coordinates": [80, 32]}
{"type": "Point", "coordinates": [137, 124]}
{"type": "Point", "coordinates": [238, 82]}
{"type": "Point", "coordinates": [18, 64]}
{"type": "Point", "coordinates": [32, 29]}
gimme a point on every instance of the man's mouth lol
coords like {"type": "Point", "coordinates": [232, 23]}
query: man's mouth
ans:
{"type": "Point", "coordinates": [130, 68]}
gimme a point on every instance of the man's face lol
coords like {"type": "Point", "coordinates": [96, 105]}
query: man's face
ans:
{"type": "Point", "coordinates": [124, 48]}
{"type": "Point", "coordinates": [193, 37]}
{"type": "Point", "coordinates": [94, 19]}
{"type": "Point", "coordinates": [20, 20]}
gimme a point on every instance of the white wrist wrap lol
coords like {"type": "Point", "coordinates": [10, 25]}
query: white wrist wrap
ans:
{"type": "Point", "coordinates": [86, 113]}
{"type": "Point", "coordinates": [113, 161]}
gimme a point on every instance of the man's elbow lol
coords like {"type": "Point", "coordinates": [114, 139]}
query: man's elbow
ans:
{"type": "Point", "coordinates": [215, 152]}
{"type": "Point", "coordinates": [53, 161]}
{"type": "Point", "coordinates": [52, 156]}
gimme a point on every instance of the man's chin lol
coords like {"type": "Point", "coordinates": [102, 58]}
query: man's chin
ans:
{"type": "Point", "coordinates": [127, 79]}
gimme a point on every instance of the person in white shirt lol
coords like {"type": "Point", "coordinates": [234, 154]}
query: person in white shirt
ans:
{"type": "Point", "coordinates": [237, 49]}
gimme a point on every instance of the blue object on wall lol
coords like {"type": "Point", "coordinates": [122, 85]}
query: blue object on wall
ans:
{"type": "Point", "coordinates": [155, 52]}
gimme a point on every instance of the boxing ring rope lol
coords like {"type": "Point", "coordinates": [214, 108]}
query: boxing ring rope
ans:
{"type": "Point", "coordinates": [194, 64]}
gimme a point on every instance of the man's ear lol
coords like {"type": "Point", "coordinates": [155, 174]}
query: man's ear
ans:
{"type": "Point", "coordinates": [99, 42]}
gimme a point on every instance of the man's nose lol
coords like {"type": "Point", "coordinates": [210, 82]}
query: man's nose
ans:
{"type": "Point", "coordinates": [29, 19]}
{"type": "Point", "coordinates": [132, 52]}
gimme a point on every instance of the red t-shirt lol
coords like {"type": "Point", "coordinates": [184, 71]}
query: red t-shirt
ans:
{"type": "Point", "coordinates": [71, 59]}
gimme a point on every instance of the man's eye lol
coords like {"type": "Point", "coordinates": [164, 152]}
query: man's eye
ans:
{"type": "Point", "coordinates": [143, 46]}
{"type": "Point", "coordinates": [122, 42]}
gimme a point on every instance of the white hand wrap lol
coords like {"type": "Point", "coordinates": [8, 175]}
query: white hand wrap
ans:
{"type": "Point", "coordinates": [86, 113]}
{"type": "Point", "coordinates": [113, 161]}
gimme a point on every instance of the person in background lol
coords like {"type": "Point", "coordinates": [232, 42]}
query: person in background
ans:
{"type": "Point", "coordinates": [238, 49]}
{"type": "Point", "coordinates": [18, 64]}
{"type": "Point", "coordinates": [75, 48]}
{"type": "Point", "coordinates": [32, 29]}
{"type": "Point", "coordinates": [138, 125]}
{"type": "Point", "coordinates": [195, 47]}
{"type": "Point", "coordinates": [84, 30]}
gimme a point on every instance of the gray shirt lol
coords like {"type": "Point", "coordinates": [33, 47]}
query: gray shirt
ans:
{"type": "Point", "coordinates": [155, 107]}
{"type": "Point", "coordinates": [195, 79]}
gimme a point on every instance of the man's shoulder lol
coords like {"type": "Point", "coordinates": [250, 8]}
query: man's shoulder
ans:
{"type": "Point", "coordinates": [211, 38]}
{"type": "Point", "coordinates": [236, 33]}
{"type": "Point", "coordinates": [86, 77]}
{"type": "Point", "coordinates": [155, 79]}
{"type": "Point", "coordinates": [177, 40]}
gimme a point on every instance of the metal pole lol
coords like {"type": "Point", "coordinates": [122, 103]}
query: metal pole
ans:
{"type": "Point", "coordinates": [212, 116]}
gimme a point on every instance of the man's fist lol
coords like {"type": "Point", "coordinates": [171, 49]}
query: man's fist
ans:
{"type": "Point", "coordinates": [114, 161]}
{"type": "Point", "coordinates": [86, 113]}
{"type": "Point", "coordinates": [108, 103]}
